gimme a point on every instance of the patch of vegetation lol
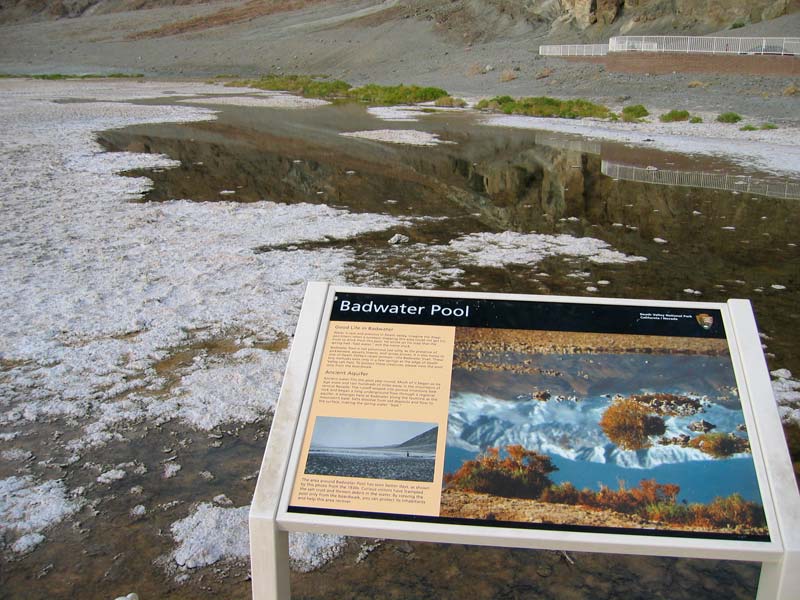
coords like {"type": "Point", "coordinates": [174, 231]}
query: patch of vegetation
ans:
{"type": "Point", "coordinates": [634, 113]}
{"type": "Point", "coordinates": [521, 474]}
{"type": "Point", "coordinates": [697, 84]}
{"type": "Point", "coordinates": [729, 117]}
{"type": "Point", "coordinates": [748, 128]}
{"type": "Point", "coordinates": [387, 95]}
{"type": "Point", "coordinates": [525, 474]}
{"type": "Point", "coordinates": [629, 424]}
{"type": "Point", "coordinates": [720, 445]}
{"type": "Point", "coordinates": [449, 101]}
{"type": "Point", "coordinates": [674, 115]}
{"type": "Point", "coordinates": [62, 76]}
{"type": "Point", "coordinates": [733, 511]}
{"type": "Point", "coordinates": [768, 126]}
{"type": "Point", "coordinates": [318, 87]}
{"type": "Point", "coordinates": [659, 502]}
{"type": "Point", "coordinates": [737, 24]}
{"type": "Point", "coordinates": [791, 90]}
{"type": "Point", "coordinates": [305, 85]}
{"type": "Point", "coordinates": [695, 120]}
{"type": "Point", "coordinates": [544, 106]}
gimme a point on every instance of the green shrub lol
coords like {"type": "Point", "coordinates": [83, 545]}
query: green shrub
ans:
{"type": "Point", "coordinates": [695, 120]}
{"type": "Point", "coordinates": [729, 117]}
{"type": "Point", "coordinates": [304, 85]}
{"type": "Point", "coordinates": [737, 24]}
{"type": "Point", "coordinates": [674, 115]}
{"type": "Point", "coordinates": [317, 87]}
{"type": "Point", "coordinates": [767, 126]}
{"type": "Point", "coordinates": [634, 113]}
{"type": "Point", "coordinates": [449, 101]}
{"type": "Point", "coordinates": [385, 95]}
{"type": "Point", "coordinates": [122, 75]}
{"type": "Point", "coordinates": [667, 512]}
{"type": "Point", "coordinates": [60, 76]}
{"type": "Point", "coordinates": [544, 106]}
{"type": "Point", "coordinates": [732, 511]}
{"type": "Point", "coordinates": [748, 128]}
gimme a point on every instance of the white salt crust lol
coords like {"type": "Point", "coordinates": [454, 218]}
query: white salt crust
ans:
{"type": "Point", "coordinates": [787, 394]}
{"type": "Point", "coordinates": [28, 508]}
{"type": "Point", "coordinates": [409, 137]}
{"type": "Point", "coordinates": [111, 287]}
{"type": "Point", "coordinates": [95, 290]}
{"type": "Point", "coordinates": [270, 100]}
{"type": "Point", "coordinates": [212, 533]}
{"type": "Point", "coordinates": [498, 249]}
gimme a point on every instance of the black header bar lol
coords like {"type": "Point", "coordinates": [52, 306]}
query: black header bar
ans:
{"type": "Point", "coordinates": [519, 314]}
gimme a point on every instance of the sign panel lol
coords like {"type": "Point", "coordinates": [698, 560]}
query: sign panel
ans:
{"type": "Point", "coordinates": [607, 418]}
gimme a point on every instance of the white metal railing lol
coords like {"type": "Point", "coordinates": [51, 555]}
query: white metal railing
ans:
{"type": "Point", "coordinates": [574, 50]}
{"type": "Point", "coordinates": [733, 183]}
{"type": "Point", "coordinates": [706, 45]}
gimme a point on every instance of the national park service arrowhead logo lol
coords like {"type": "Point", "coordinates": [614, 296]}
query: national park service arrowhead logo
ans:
{"type": "Point", "coordinates": [705, 321]}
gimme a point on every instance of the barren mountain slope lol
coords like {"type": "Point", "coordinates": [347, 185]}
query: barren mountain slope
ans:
{"type": "Point", "coordinates": [472, 20]}
{"type": "Point", "coordinates": [468, 47]}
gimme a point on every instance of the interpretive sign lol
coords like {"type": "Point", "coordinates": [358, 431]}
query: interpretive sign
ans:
{"type": "Point", "coordinates": [570, 423]}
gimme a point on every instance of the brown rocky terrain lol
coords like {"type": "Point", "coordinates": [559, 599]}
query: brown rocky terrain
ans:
{"type": "Point", "coordinates": [483, 341]}
{"type": "Point", "coordinates": [473, 505]}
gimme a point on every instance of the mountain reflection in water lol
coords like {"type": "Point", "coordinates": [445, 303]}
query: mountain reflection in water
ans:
{"type": "Point", "coordinates": [566, 426]}
{"type": "Point", "coordinates": [699, 243]}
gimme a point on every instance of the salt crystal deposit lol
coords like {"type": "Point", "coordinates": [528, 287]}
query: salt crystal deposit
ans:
{"type": "Point", "coordinates": [410, 137]}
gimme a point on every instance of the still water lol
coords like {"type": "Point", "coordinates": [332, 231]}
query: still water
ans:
{"type": "Point", "coordinates": [487, 411]}
{"type": "Point", "coordinates": [700, 243]}
{"type": "Point", "coordinates": [704, 238]}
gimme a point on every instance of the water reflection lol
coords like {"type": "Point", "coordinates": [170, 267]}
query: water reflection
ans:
{"type": "Point", "coordinates": [709, 243]}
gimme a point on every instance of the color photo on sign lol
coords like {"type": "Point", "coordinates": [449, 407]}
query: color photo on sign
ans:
{"type": "Point", "coordinates": [374, 449]}
{"type": "Point", "coordinates": [599, 430]}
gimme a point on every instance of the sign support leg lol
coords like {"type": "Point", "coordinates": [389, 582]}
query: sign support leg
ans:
{"type": "Point", "coordinates": [269, 545]}
{"type": "Point", "coordinates": [270, 565]}
{"type": "Point", "coordinates": [780, 580]}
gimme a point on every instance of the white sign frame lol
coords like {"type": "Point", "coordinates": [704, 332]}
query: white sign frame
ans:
{"type": "Point", "coordinates": [270, 521]}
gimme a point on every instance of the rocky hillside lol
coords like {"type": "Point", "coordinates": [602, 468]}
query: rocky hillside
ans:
{"type": "Point", "coordinates": [590, 20]}
{"type": "Point", "coordinates": [467, 20]}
